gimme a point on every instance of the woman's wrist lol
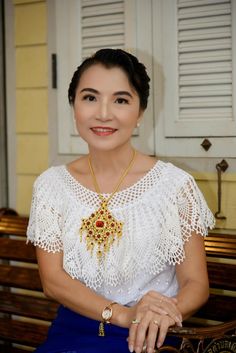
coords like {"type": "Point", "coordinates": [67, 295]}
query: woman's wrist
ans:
{"type": "Point", "coordinates": [121, 316]}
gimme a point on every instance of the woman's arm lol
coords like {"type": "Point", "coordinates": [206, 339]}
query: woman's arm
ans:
{"type": "Point", "coordinates": [192, 277]}
{"type": "Point", "coordinates": [193, 292]}
{"type": "Point", "coordinates": [57, 284]}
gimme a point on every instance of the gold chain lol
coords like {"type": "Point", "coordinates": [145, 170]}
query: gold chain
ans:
{"type": "Point", "coordinates": [101, 229]}
{"type": "Point", "coordinates": [119, 182]}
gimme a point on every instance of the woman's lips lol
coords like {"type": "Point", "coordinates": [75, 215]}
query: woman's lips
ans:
{"type": "Point", "coordinates": [103, 131]}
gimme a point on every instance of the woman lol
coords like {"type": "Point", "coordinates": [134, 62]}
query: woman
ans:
{"type": "Point", "coordinates": [118, 233]}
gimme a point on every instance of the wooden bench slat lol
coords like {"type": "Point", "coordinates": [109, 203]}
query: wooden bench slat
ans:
{"type": "Point", "coordinates": [14, 219]}
{"type": "Point", "coordinates": [20, 277]}
{"type": "Point", "coordinates": [214, 252]}
{"type": "Point", "coordinates": [13, 231]}
{"type": "Point", "coordinates": [222, 276]}
{"type": "Point", "coordinates": [221, 245]}
{"type": "Point", "coordinates": [18, 250]}
{"type": "Point", "coordinates": [212, 331]}
{"type": "Point", "coordinates": [13, 225]}
{"type": "Point", "coordinates": [28, 306]}
{"type": "Point", "coordinates": [218, 306]}
{"type": "Point", "coordinates": [223, 242]}
{"type": "Point", "coordinates": [220, 251]}
{"type": "Point", "coordinates": [18, 220]}
{"type": "Point", "coordinates": [22, 332]}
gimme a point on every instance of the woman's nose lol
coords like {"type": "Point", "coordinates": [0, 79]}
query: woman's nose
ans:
{"type": "Point", "coordinates": [104, 111]}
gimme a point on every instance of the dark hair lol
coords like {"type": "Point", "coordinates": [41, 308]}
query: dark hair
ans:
{"type": "Point", "coordinates": [136, 72]}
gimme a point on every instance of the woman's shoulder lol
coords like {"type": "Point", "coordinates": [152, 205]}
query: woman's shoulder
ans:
{"type": "Point", "coordinates": [171, 172]}
{"type": "Point", "coordinates": [50, 176]}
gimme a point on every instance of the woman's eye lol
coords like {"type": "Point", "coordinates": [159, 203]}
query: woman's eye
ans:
{"type": "Point", "coordinates": [122, 101]}
{"type": "Point", "coordinates": [89, 98]}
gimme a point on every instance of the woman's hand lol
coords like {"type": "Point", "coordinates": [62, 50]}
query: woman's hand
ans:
{"type": "Point", "coordinates": [150, 332]}
{"type": "Point", "coordinates": [152, 316]}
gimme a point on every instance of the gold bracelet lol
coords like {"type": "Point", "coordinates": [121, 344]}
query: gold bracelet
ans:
{"type": "Point", "coordinates": [106, 317]}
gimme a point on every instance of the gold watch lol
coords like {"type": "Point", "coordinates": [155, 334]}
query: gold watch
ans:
{"type": "Point", "coordinates": [106, 317]}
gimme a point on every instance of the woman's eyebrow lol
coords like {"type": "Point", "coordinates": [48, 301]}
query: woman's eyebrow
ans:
{"type": "Point", "coordinates": [123, 93]}
{"type": "Point", "coordinates": [92, 90]}
{"type": "Point", "coordinates": [118, 93]}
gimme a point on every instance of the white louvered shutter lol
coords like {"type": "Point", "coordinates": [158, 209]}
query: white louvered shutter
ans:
{"type": "Point", "coordinates": [102, 25]}
{"type": "Point", "coordinates": [199, 68]}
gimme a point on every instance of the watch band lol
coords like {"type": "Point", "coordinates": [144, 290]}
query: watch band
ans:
{"type": "Point", "coordinates": [106, 317]}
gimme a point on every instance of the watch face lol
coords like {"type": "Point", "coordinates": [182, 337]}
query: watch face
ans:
{"type": "Point", "coordinates": [106, 314]}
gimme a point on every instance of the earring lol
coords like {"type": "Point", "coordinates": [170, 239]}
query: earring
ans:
{"type": "Point", "coordinates": [138, 124]}
{"type": "Point", "coordinates": [74, 127]}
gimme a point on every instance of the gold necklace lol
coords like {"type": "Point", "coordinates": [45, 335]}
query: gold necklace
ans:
{"type": "Point", "coordinates": [101, 229]}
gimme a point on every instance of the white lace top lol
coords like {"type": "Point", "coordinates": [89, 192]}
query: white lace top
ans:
{"type": "Point", "coordinates": [159, 213]}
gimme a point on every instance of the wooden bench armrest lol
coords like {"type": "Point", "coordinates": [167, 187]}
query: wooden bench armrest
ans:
{"type": "Point", "coordinates": [200, 333]}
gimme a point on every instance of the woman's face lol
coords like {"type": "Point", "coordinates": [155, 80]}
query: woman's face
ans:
{"type": "Point", "coordinates": [106, 108]}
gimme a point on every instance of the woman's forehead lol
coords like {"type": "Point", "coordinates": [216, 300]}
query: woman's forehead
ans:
{"type": "Point", "coordinates": [102, 78]}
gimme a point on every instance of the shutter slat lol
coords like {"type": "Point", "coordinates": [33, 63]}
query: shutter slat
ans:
{"type": "Point", "coordinates": [102, 20]}
{"type": "Point", "coordinates": [184, 3]}
{"type": "Point", "coordinates": [95, 2]}
{"type": "Point", "coordinates": [196, 46]}
{"type": "Point", "coordinates": [103, 31]}
{"type": "Point", "coordinates": [102, 10]}
{"type": "Point", "coordinates": [204, 33]}
{"type": "Point", "coordinates": [205, 22]}
{"type": "Point", "coordinates": [103, 41]}
{"type": "Point", "coordinates": [202, 114]}
{"type": "Point", "coordinates": [205, 56]}
{"type": "Point", "coordinates": [210, 67]}
{"type": "Point", "coordinates": [208, 90]}
{"type": "Point", "coordinates": [202, 102]}
{"type": "Point", "coordinates": [203, 11]}
{"type": "Point", "coordinates": [205, 79]}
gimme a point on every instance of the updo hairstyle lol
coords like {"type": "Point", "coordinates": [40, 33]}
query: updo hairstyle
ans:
{"type": "Point", "coordinates": [109, 58]}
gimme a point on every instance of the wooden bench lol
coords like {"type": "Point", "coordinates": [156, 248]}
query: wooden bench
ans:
{"type": "Point", "coordinates": [25, 313]}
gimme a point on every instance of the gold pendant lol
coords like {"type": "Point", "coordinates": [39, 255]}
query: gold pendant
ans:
{"type": "Point", "coordinates": [101, 330]}
{"type": "Point", "coordinates": [101, 229]}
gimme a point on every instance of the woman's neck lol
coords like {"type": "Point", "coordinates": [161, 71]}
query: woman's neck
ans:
{"type": "Point", "coordinates": [112, 161]}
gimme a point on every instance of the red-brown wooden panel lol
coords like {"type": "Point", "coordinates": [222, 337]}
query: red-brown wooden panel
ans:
{"type": "Point", "coordinates": [19, 277]}
{"type": "Point", "coordinates": [28, 306]}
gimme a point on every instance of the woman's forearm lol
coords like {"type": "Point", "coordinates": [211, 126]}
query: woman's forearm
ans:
{"type": "Point", "coordinates": [191, 297]}
{"type": "Point", "coordinates": [72, 293]}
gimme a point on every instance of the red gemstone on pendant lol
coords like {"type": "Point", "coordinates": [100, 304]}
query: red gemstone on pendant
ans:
{"type": "Point", "coordinates": [99, 224]}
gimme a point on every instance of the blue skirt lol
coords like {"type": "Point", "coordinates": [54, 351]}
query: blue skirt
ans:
{"type": "Point", "coordinates": [73, 333]}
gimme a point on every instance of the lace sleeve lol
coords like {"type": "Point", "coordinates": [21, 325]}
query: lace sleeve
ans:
{"type": "Point", "coordinates": [195, 216]}
{"type": "Point", "coordinates": [44, 229]}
